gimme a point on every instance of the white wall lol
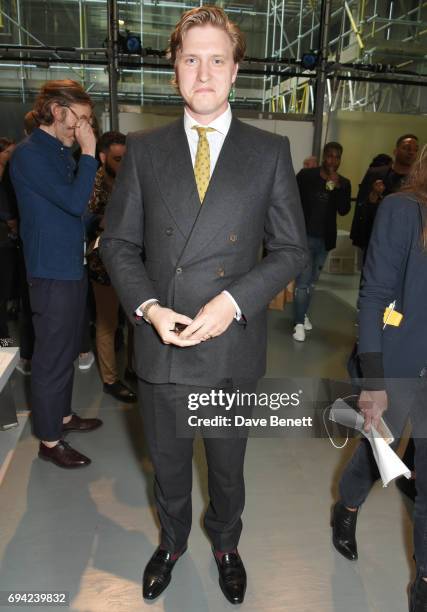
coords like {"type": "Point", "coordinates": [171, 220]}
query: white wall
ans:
{"type": "Point", "coordinates": [300, 134]}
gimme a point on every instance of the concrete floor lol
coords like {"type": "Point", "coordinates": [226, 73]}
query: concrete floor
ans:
{"type": "Point", "coordinates": [90, 532]}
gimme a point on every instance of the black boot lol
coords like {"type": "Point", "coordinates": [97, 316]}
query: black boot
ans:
{"type": "Point", "coordinates": [407, 487]}
{"type": "Point", "coordinates": [344, 531]}
{"type": "Point", "coordinates": [419, 596]}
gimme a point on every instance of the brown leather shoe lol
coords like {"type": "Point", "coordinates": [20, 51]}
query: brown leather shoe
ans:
{"type": "Point", "coordinates": [63, 455]}
{"type": "Point", "coordinates": [79, 424]}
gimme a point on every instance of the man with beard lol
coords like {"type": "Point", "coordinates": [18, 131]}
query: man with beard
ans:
{"type": "Point", "coordinates": [111, 148]}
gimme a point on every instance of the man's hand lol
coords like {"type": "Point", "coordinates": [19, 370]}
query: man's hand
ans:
{"type": "Point", "coordinates": [211, 320]}
{"type": "Point", "coordinates": [85, 137]}
{"type": "Point", "coordinates": [163, 320]}
{"type": "Point", "coordinates": [372, 405]}
{"type": "Point", "coordinates": [328, 174]}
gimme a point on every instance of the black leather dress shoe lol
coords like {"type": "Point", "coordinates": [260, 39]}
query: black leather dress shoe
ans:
{"type": "Point", "coordinates": [344, 531]}
{"type": "Point", "coordinates": [158, 573]}
{"type": "Point", "coordinates": [121, 392]}
{"type": "Point", "coordinates": [232, 577]}
{"type": "Point", "coordinates": [79, 424]}
{"type": "Point", "coordinates": [63, 455]}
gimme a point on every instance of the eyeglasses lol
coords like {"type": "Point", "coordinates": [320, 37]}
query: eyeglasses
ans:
{"type": "Point", "coordinates": [90, 120]}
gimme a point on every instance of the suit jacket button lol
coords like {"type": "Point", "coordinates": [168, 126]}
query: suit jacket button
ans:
{"type": "Point", "coordinates": [233, 237]}
{"type": "Point", "coordinates": [220, 271]}
{"type": "Point", "coordinates": [169, 231]}
{"type": "Point", "coordinates": [178, 270]}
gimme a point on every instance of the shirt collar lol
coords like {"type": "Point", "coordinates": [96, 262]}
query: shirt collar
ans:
{"type": "Point", "coordinates": [221, 124]}
{"type": "Point", "coordinates": [47, 139]}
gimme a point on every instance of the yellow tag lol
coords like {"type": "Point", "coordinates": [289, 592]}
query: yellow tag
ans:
{"type": "Point", "coordinates": [392, 317]}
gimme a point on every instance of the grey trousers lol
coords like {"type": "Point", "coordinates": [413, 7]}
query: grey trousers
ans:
{"type": "Point", "coordinates": [172, 460]}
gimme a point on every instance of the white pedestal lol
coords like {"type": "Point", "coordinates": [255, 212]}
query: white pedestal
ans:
{"type": "Point", "coordinates": [9, 357]}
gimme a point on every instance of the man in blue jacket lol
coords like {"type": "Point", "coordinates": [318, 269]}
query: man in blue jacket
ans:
{"type": "Point", "coordinates": [52, 198]}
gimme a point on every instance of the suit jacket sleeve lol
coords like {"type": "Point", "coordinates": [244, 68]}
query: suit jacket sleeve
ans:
{"type": "Point", "coordinates": [121, 244]}
{"type": "Point", "coordinates": [342, 197]}
{"type": "Point", "coordinates": [382, 280]}
{"type": "Point", "coordinates": [284, 242]}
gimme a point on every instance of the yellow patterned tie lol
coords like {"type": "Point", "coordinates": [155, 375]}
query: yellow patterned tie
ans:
{"type": "Point", "coordinates": [202, 165]}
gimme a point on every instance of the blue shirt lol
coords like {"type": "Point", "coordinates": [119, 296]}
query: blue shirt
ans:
{"type": "Point", "coordinates": [52, 199]}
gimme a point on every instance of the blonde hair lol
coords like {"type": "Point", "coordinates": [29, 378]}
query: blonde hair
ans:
{"type": "Point", "coordinates": [207, 15]}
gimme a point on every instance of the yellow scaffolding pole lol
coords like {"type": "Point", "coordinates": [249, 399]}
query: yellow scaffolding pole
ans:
{"type": "Point", "coordinates": [354, 26]}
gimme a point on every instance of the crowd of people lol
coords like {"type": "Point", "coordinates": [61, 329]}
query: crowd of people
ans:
{"type": "Point", "coordinates": [173, 239]}
{"type": "Point", "coordinates": [324, 193]}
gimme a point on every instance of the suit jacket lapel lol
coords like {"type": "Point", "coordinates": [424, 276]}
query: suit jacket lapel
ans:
{"type": "Point", "coordinates": [223, 197]}
{"type": "Point", "coordinates": [175, 176]}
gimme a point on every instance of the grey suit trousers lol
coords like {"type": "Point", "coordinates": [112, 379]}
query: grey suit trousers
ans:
{"type": "Point", "coordinates": [172, 460]}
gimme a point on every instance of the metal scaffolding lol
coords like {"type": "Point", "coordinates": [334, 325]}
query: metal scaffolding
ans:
{"type": "Point", "coordinates": [387, 35]}
{"type": "Point", "coordinates": [374, 57]}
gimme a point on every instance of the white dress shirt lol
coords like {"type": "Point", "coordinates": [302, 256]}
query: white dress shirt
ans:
{"type": "Point", "coordinates": [221, 125]}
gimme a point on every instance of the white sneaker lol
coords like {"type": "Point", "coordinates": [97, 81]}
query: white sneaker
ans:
{"type": "Point", "coordinates": [299, 332]}
{"type": "Point", "coordinates": [86, 360]}
{"type": "Point", "coordinates": [307, 324]}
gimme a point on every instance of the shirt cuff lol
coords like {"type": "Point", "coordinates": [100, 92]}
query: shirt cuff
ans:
{"type": "Point", "coordinates": [238, 314]}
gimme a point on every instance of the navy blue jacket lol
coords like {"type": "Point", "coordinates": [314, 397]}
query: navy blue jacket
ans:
{"type": "Point", "coordinates": [395, 269]}
{"type": "Point", "coordinates": [52, 199]}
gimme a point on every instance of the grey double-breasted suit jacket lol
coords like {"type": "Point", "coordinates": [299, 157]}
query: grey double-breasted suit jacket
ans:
{"type": "Point", "coordinates": [160, 242]}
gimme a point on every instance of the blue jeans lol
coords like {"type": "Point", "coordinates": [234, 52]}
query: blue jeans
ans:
{"type": "Point", "coordinates": [306, 281]}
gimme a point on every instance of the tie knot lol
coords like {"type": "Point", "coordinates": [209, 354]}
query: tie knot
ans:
{"type": "Point", "coordinates": [202, 131]}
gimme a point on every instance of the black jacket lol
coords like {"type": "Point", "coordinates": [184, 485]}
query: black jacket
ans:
{"type": "Point", "coordinates": [322, 222]}
{"type": "Point", "coordinates": [365, 211]}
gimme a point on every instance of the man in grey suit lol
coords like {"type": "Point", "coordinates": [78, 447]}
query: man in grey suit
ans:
{"type": "Point", "coordinates": [193, 204]}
